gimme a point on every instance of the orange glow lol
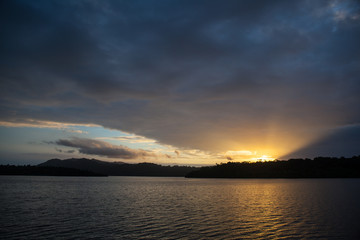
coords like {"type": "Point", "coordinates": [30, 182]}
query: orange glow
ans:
{"type": "Point", "coordinates": [247, 155]}
{"type": "Point", "coordinates": [264, 158]}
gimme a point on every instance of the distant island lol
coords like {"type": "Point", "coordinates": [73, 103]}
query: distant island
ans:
{"type": "Point", "coordinates": [320, 167]}
{"type": "Point", "coordinates": [120, 168]}
{"type": "Point", "coordinates": [94, 167]}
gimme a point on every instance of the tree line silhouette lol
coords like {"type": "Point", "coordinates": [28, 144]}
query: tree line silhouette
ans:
{"type": "Point", "coordinates": [320, 167]}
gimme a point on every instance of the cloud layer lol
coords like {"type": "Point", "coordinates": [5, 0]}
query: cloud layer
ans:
{"type": "Point", "coordinates": [101, 148]}
{"type": "Point", "coordinates": [209, 75]}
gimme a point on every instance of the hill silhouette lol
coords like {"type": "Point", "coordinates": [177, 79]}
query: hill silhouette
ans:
{"type": "Point", "coordinates": [321, 167]}
{"type": "Point", "coordinates": [120, 168]}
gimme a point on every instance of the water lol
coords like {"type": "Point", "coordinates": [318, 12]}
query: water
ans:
{"type": "Point", "coordinates": [178, 208]}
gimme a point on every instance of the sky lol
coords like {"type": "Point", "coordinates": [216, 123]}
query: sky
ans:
{"type": "Point", "coordinates": [179, 82]}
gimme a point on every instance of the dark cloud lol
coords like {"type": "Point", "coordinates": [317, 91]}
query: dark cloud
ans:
{"type": "Point", "coordinates": [212, 75]}
{"type": "Point", "coordinates": [64, 151]}
{"type": "Point", "coordinates": [342, 142]}
{"type": "Point", "coordinates": [177, 152]}
{"type": "Point", "coordinates": [101, 148]}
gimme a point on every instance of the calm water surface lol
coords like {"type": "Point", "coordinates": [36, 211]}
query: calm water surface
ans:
{"type": "Point", "coordinates": [178, 208]}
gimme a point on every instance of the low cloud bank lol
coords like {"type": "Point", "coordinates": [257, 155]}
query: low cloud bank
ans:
{"type": "Point", "coordinates": [101, 148]}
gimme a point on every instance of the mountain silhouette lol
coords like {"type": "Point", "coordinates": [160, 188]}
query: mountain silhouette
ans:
{"type": "Point", "coordinates": [119, 168]}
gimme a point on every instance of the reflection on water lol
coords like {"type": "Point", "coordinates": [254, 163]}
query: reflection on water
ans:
{"type": "Point", "coordinates": [173, 208]}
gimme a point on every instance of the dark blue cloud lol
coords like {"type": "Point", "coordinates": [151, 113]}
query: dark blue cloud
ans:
{"type": "Point", "coordinates": [101, 148]}
{"type": "Point", "coordinates": [342, 142]}
{"type": "Point", "coordinates": [183, 71]}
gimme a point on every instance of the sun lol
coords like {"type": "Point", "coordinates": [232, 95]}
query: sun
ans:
{"type": "Point", "coordinates": [250, 155]}
{"type": "Point", "coordinates": [264, 158]}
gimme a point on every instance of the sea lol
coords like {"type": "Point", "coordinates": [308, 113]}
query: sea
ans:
{"type": "Point", "coordinates": [44, 207]}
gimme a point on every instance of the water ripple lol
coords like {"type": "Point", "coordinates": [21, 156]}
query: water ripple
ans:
{"type": "Point", "coordinates": [177, 208]}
